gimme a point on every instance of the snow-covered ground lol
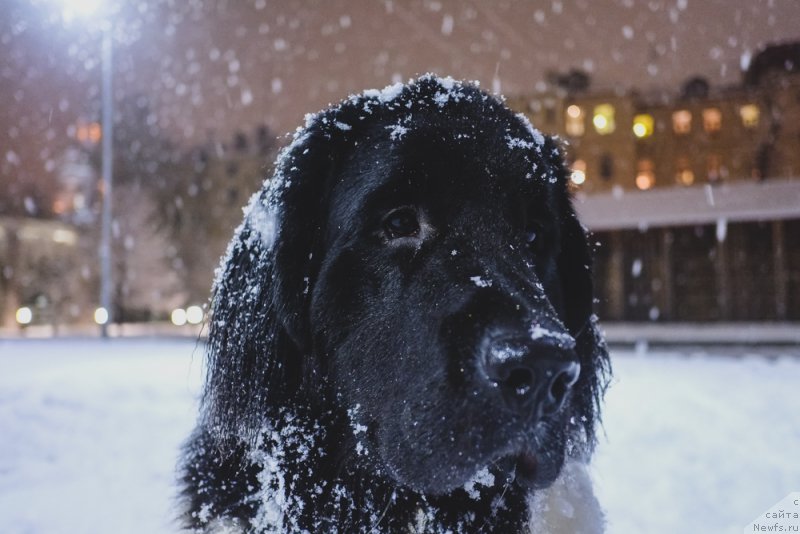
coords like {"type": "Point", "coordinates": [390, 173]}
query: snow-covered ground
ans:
{"type": "Point", "coordinates": [699, 441]}
{"type": "Point", "coordinates": [89, 434]}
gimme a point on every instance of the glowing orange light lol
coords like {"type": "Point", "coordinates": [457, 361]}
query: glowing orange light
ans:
{"type": "Point", "coordinates": [89, 133]}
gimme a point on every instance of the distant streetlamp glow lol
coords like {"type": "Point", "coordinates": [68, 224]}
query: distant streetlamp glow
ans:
{"type": "Point", "coordinates": [80, 8]}
{"type": "Point", "coordinates": [178, 317]}
{"type": "Point", "coordinates": [24, 316]}
{"type": "Point", "coordinates": [194, 315]}
{"type": "Point", "coordinates": [101, 316]}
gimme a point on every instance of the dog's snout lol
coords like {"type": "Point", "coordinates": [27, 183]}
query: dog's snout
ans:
{"type": "Point", "coordinates": [532, 378]}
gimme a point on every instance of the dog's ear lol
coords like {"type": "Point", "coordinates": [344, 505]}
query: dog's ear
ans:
{"type": "Point", "coordinates": [575, 273]}
{"type": "Point", "coordinates": [258, 330]}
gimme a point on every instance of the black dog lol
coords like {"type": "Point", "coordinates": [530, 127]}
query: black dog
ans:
{"type": "Point", "coordinates": [401, 335]}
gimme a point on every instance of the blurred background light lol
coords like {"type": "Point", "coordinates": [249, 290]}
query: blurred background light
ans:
{"type": "Point", "coordinates": [178, 317]}
{"type": "Point", "coordinates": [101, 316]}
{"type": "Point", "coordinates": [24, 315]}
{"type": "Point", "coordinates": [643, 125]}
{"type": "Point", "coordinates": [194, 315]}
{"type": "Point", "coordinates": [578, 175]}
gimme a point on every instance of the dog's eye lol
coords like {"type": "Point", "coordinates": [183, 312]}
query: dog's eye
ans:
{"type": "Point", "coordinates": [401, 222]}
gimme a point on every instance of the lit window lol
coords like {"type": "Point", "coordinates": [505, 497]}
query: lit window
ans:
{"type": "Point", "coordinates": [578, 175]}
{"type": "Point", "coordinates": [89, 133]}
{"type": "Point", "coordinates": [65, 237]}
{"type": "Point", "coordinates": [643, 125]}
{"type": "Point", "coordinates": [684, 174]}
{"type": "Point", "coordinates": [682, 121]}
{"type": "Point", "coordinates": [575, 121]}
{"type": "Point", "coordinates": [686, 177]}
{"type": "Point", "coordinates": [95, 132]}
{"type": "Point", "coordinates": [60, 206]}
{"type": "Point", "coordinates": [603, 119]}
{"type": "Point", "coordinates": [712, 120]}
{"type": "Point", "coordinates": [750, 115]}
{"type": "Point", "coordinates": [645, 174]}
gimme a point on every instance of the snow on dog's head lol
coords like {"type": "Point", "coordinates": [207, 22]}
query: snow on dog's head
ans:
{"type": "Point", "coordinates": [440, 381]}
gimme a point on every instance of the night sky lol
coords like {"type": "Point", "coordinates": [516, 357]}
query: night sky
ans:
{"type": "Point", "coordinates": [210, 68]}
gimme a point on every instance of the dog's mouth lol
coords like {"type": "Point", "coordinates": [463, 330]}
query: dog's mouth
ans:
{"type": "Point", "coordinates": [528, 470]}
{"type": "Point", "coordinates": [526, 467]}
{"type": "Point", "coordinates": [521, 468]}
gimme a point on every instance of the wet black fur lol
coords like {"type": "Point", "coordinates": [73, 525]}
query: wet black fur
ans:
{"type": "Point", "coordinates": [320, 394]}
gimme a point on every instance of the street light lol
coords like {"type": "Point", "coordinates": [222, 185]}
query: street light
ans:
{"type": "Point", "coordinates": [87, 8]}
{"type": "Point", "coordinates": [107, 171]}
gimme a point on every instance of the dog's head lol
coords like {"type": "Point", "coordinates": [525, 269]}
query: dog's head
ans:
{"type": "Point", "coordinates": [415, 262]}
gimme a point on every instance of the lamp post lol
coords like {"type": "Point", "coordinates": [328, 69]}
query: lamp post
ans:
{"type": "Point", "coordinates": [107, 174]}
{"type": "Point", "coordinates": [84, 9]}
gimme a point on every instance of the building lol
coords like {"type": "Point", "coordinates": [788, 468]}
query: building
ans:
{"type": "Point", "coordinates": [174, 212]}
{"type": "Point", "coordinates": [693, 198]}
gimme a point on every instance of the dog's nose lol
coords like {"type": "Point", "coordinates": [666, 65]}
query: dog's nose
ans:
{"type": "Point", "coordinates": [532, 378]}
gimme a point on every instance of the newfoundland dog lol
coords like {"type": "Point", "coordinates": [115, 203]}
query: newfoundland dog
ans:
{"type": "Point", "coordinates": [401, 335]}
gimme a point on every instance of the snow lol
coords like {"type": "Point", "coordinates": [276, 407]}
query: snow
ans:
{"type": "Point", "coordinates": [90, 433]}
{"type": "Point", "coordinates": [694, 441]}
{"type": "Point", "coordinates": [387, 94]}
{"type": "Point", "coordinates": [358, 429]}
{"type": "Point", "coordinates": [271, 479]}
{"type": "Point", "coordinates": [636, 267]}
{"type": "Point", "coordinates": [721, 230]}
{"type": "Point", "coordinates": [483, 478]}
{"type": "Point", "coordinates": [505, 352]}
{"type": "Point", "coordinates": [537, 331]}
{"type": "Point", "coordinates": [709, 191]}
{"type": "Point", "coordinates": [538, 137]}
{"type": "Point", "coordinates": [515, 142]}
{"type": "Point", "coordinates": [397, 131]}
{"type": "Point", "coordinates": [262, 220]}
{"type": "Point", "coordinates": [698, 441]}
{"type": "Point", "coordinates": [480, 282]}
{"type": "Point", "coordinates": [447, 25]}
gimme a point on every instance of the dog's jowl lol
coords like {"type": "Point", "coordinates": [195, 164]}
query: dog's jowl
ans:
{"type": "Point", "coordinates": [402, 337]}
